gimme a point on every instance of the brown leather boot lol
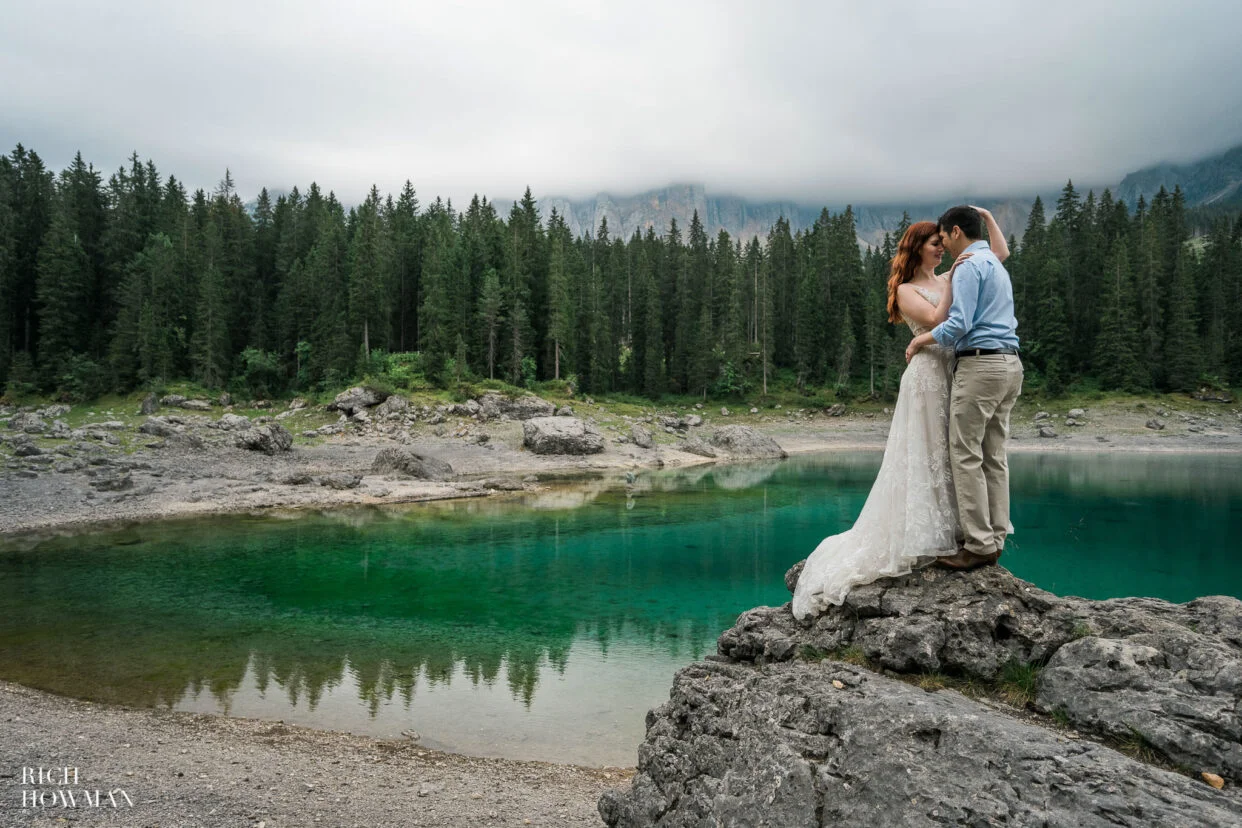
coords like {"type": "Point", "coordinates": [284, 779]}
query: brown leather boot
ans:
{"type": "Point", "coordinates": [964, 561]}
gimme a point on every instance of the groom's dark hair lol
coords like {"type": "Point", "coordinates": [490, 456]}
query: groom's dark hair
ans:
{"type": "Point", "coordinates": [965, 217]}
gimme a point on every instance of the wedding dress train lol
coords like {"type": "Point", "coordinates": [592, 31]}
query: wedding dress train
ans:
{"type": "Point", "coordinates": [910, 516]}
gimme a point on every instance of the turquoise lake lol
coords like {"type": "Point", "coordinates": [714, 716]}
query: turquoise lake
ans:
{"type": "Point", "coordinates": [538, 626]}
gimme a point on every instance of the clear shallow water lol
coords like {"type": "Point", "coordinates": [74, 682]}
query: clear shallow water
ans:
{"type": "Point", "coordinates": [542, 626]}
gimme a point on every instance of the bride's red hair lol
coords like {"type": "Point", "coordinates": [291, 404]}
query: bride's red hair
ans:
{"type": "Point", "coordinates": [906, 262]}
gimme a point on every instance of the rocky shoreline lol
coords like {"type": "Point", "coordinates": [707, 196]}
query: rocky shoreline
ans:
{"type": "Point", "coordinates": [960, 699]}
{"type": "Point", "coordinates": [68, 470]}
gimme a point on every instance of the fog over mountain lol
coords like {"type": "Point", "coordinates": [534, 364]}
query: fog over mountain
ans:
{"type": "Point", "coordinates": [862, 103]}
{"type": "Point", "coordinates": [1213, 180]}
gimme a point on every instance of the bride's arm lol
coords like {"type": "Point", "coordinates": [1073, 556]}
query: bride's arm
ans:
{"type": "Point", "coordinates": [996, 239]}
{"type": "Point", "coordinates": [941, 312]}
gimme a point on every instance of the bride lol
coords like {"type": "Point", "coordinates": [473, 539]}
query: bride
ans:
{"type": "Point", "coordinates": [910, 516]}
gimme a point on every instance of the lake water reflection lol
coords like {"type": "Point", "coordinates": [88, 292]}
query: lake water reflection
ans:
{"type": "Point", "coordinates": [541, 626]}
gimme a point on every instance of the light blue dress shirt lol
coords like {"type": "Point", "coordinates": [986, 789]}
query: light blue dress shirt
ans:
{"type": "Point", "coordinates": [981, 315]}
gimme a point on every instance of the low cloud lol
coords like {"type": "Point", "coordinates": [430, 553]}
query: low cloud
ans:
{"type": "Point", "coordinates": [812, 101]}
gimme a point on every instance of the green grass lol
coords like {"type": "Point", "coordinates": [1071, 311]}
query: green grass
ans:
{"type": "Point", "coordinates": [1019, 682]}
{"type": "Point", "coordinates": [1138, 746]}
{"type": "Point", "coordinates": [850, 655]}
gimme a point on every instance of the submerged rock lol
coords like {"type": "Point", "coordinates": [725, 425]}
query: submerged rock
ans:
{"type": "Point", "coordinates": [561, 435]}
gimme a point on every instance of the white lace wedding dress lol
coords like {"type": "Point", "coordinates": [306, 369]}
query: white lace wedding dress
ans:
{"type": "Point", "coordinates": [910, 516]}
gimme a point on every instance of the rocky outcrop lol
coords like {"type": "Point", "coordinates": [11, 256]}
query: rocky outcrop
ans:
{"type": "Point", "coordinates": [494, 406]}
{"type": "Point", "coordinates": [269, 438]}
{"type": "Point", "coordinates": [340, 481]}
{"type": "Point", "coordinates": [561, 435]}
{"type": "Point", "coordinates": [806, 745]}
{"type": "Point", "coordinates": [403, 462]}
{"type": "Point", "coordinates": [159, 427]}
{"type": "Point", "coordinates": [697, 445]}
{"type": "Point", "coordinates": [766, 738]}
{"type": "Point", "coordinates": [394, 406]}
{"type": "Point", "coordinates": [29, 423]}
{"type": "Point", "coordinates": [641, 436]}
{"type": "Point", "coordinates": [358, 398]}
{"type": "Point", "coordinates": [744, 442]}
{"type": "Point", "coordinates": [233, 422]}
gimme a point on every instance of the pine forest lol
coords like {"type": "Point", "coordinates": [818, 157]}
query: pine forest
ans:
{"type": "Point", "coordinates": [128, 283]}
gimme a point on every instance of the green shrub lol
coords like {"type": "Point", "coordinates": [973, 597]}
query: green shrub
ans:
{"type": "Point", "coordinates": [258, 373]}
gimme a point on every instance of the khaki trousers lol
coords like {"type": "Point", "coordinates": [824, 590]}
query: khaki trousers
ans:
{"type": "Point", "coordinates": [985, 389]}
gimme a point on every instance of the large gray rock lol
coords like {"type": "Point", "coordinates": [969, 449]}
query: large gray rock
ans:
{"type": "Point", "coordinates": [697, 445]}
{"type": "Point", "coordinates": [357, 399]}
{"type": "Point", "coordinates": [109, 479]}
{"type": "Point", "coordinates": [233, 422]}
{"type": "Point", "coordinates": [269, 438]}
{"type": "Point", "coordinates": [825, 744]}
{"type": "Point", "coordinates": [1168, 674]}
{"type": "Point", "coordinates": [641, 436]}
{"type": "Point", "coordinates": [408, 464]}
{"type": "Point", "coordinates": [743, 441]}
{"type": "Point", "coordinates": [561, 435]}
{"type": "Point", "coordinates": [158, 427]}
{"type": "Point", "coordinates": [395, 404]}
{"type": "Point", "coordinates": [1164, 679]}
{"type": "Point", "coordinates": [495, 406]}
{"type": "Point", "coordinates": [28, 422]}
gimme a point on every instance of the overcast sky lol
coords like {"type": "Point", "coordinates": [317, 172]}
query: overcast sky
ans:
{"type": "Point", "coordinates": [820, 102]}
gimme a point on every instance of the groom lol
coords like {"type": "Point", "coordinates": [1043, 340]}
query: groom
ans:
{"type": "Point", "coordinates": [987, 379]}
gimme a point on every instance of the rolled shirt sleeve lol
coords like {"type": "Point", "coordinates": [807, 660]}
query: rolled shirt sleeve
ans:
{"type": "Point", "coordinates": [965, 299]}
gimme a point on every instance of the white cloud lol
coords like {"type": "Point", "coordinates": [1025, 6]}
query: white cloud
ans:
{"type": "Point", "coordinates": [823, 102]}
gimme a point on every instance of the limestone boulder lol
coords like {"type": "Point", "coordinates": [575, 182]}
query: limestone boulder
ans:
{"type": "Point", "coordinates": [269, 438]}
{"type": "Point", "coordinates": [406, 463]}
{"type": "Point", "coordinates": [561, 435]}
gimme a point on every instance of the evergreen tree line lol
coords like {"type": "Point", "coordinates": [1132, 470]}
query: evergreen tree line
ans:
{"type": "Point", "coordinates": [135, 283]}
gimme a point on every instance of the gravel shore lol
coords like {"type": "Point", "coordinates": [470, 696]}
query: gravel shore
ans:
{"type": "Point", "coordinates": [183, 770]}
{"type": "Point", "coordinates": [60, 490]}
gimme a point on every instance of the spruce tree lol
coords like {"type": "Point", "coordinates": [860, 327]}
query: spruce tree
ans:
{"type": "Point", "coordinates": [1117, 347]}
{"type": "Point", "coordinates": [210, 351]}
{"type": "Point", "coordinates": [369, 265]}
{"type": "Point", "coordinates": [63, 290]}
{"type": "Point", "coordinates": [490, 307]}
{"type": "Point", "coordinates": [1184, 355]}
{"type": "Point", "coordinates": [1052, 348]}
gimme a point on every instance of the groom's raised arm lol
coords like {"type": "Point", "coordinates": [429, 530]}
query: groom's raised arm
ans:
{"type": "Point", "coordinates": [965, 298]}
